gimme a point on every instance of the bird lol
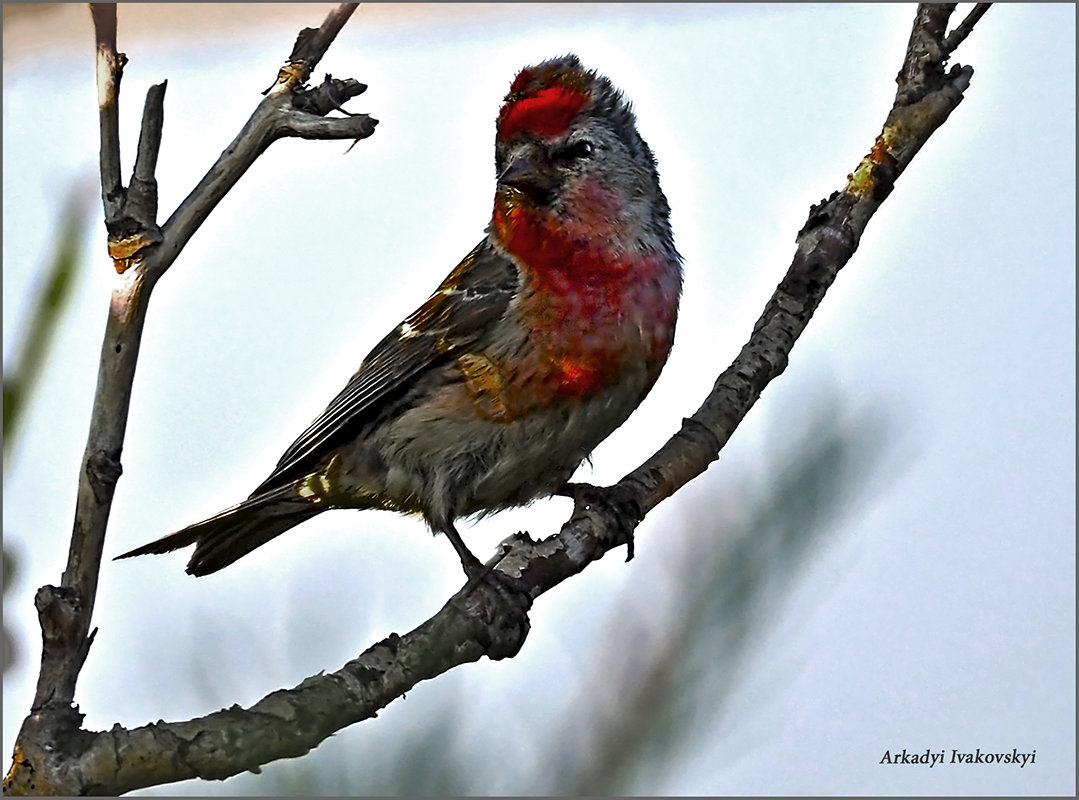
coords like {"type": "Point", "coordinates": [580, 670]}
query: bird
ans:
{"type": "Point", "coordinates": [539, 344]}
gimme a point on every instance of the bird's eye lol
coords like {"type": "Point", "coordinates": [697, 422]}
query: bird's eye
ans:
{"type": "Point", "coordinates": [575, 152]}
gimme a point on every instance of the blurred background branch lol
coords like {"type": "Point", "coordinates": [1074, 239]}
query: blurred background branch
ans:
{"type": "Point", "coordinates": [31, 350]}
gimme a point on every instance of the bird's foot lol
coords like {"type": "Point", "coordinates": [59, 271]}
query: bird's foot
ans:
{"type": "Point", "coordinates": [488, 574]}
{"type": "Point", "coordinates": [616, 503]}
{"type": "Point", "coordinates": [499, 601]}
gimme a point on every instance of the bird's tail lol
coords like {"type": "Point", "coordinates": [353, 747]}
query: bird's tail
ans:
{"type": "Point", "coordinates": [236, 531]}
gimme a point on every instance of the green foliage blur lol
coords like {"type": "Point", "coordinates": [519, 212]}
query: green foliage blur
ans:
{"type": "Point", "coordinates": [31, 352]}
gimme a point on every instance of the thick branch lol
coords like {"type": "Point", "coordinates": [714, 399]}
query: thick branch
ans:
{"type": "Point", "coordinates": [485, 621]}
{"type": "Point", "coordinates": [66, 611]}
{"type": "Point", "coordinates": [288, 723]}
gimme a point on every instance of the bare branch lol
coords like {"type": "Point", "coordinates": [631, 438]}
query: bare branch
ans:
{"type": "Point", "coordinates": [312, 43]}
{"type": "Point", "coordinates": [330, 95]}
{"type": "Point", "coordinates": [277, 116]}
{"type": "Point", "coordinates": [962, 31]}
{"type": "Point", "coordinates": [153, 120]}
{"type": "Point", "coordinates": [51, 736]}
{"type": "Point", "coordinates": [65, 611]}
{"type": "Point", "coordinates": [110, 69]}
{"type": "Point", "coordinates": [288, 723]}
{"type": "Point", "coordinates": [140, 205]}
{"type": "Point", "coordinates": [924, 100]}
{"type": "Point", "coordinates": [310, 46]}
{"type": "Point", "coordinates": [312, 126]}
{"type": "Point", "coordinates": [273, 119]}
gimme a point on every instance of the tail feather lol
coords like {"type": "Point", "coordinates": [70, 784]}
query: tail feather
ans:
{"type": "Point", "coordinates": [234, 532]}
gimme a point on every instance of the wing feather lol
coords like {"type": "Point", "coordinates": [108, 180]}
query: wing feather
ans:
{"type": "Point", "coordinates": [462, 310]}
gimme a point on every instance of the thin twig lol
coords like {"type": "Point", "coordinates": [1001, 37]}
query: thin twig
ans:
{"type": "Point", "coordinates": [312, 126]}
{"type": "Point", "coordinates": [110, 69]}
{"type": "Point", "coordinates": [141, 206]}
{"type": "Point", "coordinates": [153, 121]}
{"type": "Point", "coordinates": [273, 119]}
{"type": "Point", "coordinates": [956, 37]}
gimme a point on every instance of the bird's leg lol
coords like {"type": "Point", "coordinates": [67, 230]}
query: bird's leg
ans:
{"type": "Point", "coordinates": [474, 568]}
{"type": "Point", "coordinates": [618, 502]}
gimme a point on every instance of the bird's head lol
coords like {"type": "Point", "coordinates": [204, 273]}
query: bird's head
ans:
{"type": "Point", "coordinates": [567, 152]}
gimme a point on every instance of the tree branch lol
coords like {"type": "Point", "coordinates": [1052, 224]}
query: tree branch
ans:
{"type": "Point", "coordinates": [110, 69]}
{"type": "Point", "coordinates": [312, 43]}
{"type": "Point", "coordinates": [51, 739]}
{"type": "Point", "coordinates": [956, 37]}
{"type": "Point", "coordinates": [485, 620]}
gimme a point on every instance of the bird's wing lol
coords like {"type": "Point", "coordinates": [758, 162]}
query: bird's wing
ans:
{"type": "Point", "coordinates": [467, 303]}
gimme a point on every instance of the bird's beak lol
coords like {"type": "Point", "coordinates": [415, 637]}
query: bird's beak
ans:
{"type": "Point", "coordinates": [531, 176]}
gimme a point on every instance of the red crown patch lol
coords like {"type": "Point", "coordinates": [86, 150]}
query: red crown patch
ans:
{"type": "Point", "coordinates": [548, 112]}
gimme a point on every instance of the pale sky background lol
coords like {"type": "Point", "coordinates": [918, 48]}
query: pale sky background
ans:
{"type": "Point", "coordinates": [939, 612]}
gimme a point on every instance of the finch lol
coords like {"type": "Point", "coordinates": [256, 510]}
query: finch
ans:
{"type": "Point", "coordinates": [537, 346]}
